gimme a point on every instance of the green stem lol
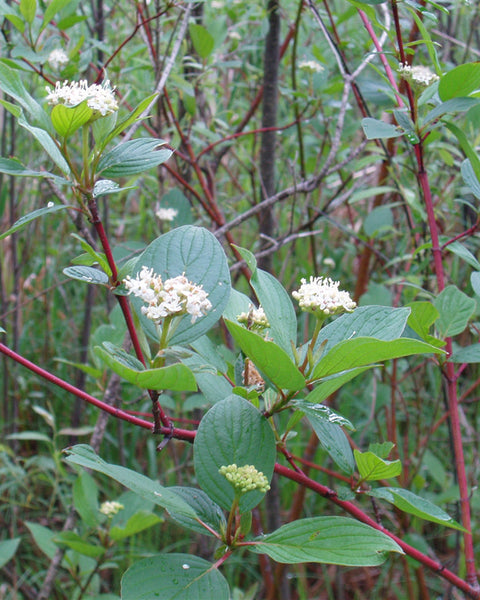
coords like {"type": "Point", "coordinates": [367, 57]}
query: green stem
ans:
{"type": "Point", "coordinates": [231, 521]}
{"type": "Point", "coordinates": [85, 154]}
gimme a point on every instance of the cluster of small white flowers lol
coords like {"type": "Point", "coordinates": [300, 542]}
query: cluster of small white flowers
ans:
{"type": "Point", "coordinates": [422, 76]}
{"type": "Point", "coordinates": [57, 59]}
{"type": "Point", "coordinates": [311, 65]}
{"type": "Point", "coordinates": [100, 98]}
{"type": "Point", "coordinates": [245, 479]}
{"type": "Point", "coordinates": [166, 214]}
{"type": "Point", "coordinates": [111, 508]}
{"type": "Point", "coordinates": [321, 295]}
{"type": "Point", "coordinates": [255, 318]}
{"type": "Point", "coordinates": [172, 297]}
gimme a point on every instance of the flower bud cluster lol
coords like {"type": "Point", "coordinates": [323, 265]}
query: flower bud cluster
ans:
{"type": "Point", "coordinates": [255, 318]}
{"type": "Point", "coordinates": [322, 297]}
{"type": "Point", "coordinates": [100, 98]}
{"type": "Point", "coordinates": [245, 479]}
{"type": "Point", "coordinates": [170, 298]}
{"type": "Point", "coordinates": [418, 75]}
{"type": "Point", "coordinates": [111, 508]}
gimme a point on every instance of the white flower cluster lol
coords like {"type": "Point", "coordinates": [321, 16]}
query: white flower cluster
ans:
{"type": "Point", "coordinates": [111, 508]}
{"type": "Point", "coordinates": [321, 296]}
{"type": "Point", "coordinates": [166, 214]}
{"type": "Point", "coordinates": [57, 59]}
{"type": "Point", "coordinates": [100, 98]}
{"type": "Point", "coordinates": [255, 318]}
{"type": "Point", "coordinates": [245, 479]}
{"type": "Point", "coordinates": [172, 297]}
{"type": "Point", "coordinates": [311, 65]}
{"type": "Point", "coordinates": [421, 76]}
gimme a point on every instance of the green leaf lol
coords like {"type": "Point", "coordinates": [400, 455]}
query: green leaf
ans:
{"type": "Point", "coordinates": [276, 303]}
{"type": "Point", "coordinates": [331, 384]}
{"type": "Point", "coordinates": [28, 8]}
{"type": "Point", "coordinates": [85, 499]}
{"type": "Point", "coordinates": [206, 510]}
{"type": "Point", "coordinates": [422, 317]}
{"type": "Point", "coordinates": [133, 157]}
{"type": "Point", "coordinates": [12, 166]}
{"type": "Point", "coordinates": [152, 491]}
{"type": "Point", "coordinates": [129, 120]}
{"type": "Point", "coordinates": [460, 81]}
{"type": "Point", "coordinates": [68, 119]}
{"type": "Point", "coordinates": [173, 377]}
{"type": "Point", "coordinates": [52, 8]}
{"type": "Point", "coordinates": [87, 275]}
{"type": "Point", "coordinates": [138, 522]}
{"type": "Point", "coordinates": [334, 441]}
{"type": "Point", "coordinates": [26, 219]}
{"type": "Point", "coordinates": [415, 505]}
{"type": "Point", "coordinates": [269, 358]}
{"type": "Point", "coordinates": [232, 431]}
{"type": "Point", "coordinates": [464, 253]}
{"type": "Point", "coordinates": [43, 538]}
{"type": "Point", "coordinates": [377, 221]}
{"type": "Point", "coordinates": [468, 354]}
{"type": "Point", "coordinates": [332, 540]}
{"type": "Point", "coordinates": [382, 450]}
{"type": "Point", "coordinates": [475, 282]}
{"type": "Point", "coordinates": [72, 540]}
{"type": "Point", "coordinates": [7, 550]}
{"type": "Point", "coordinates": [174, 577]}
{"type": "Point", "coordinates": [98, 257]}
{"type": "Point", "coordinates": [197, 253]}
{"type": "Point", "coordinates": [377, 130]}
{"type": "Point", "coordinates": [202, 40]}
{"type": "Point", "coordinates": [469, 151]}
{"type": "Point", "coordinates": [28, 436]}
{"type": "Point", "coordinates": [470, 178]}
{"type": "Point", "coordinates": [450, 106]}
{"type": "Point", "coordinates": [12, 85]}
{"type": "Point", "coordinates": [322, 413]}
{"type": "Point", "coordinates": [381, 322]}
{"type": "Point", "coordinates": [358, 352]}
{"type": "Point", "coordinates": [455, 309]}
{"type": "Point", "coordinates": [47, 144]}
{"type": "Point", "coordinates": [372, 468]}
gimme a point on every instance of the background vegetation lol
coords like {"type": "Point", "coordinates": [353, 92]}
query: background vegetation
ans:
{"type": "Point", "coordinates": [270, 155]}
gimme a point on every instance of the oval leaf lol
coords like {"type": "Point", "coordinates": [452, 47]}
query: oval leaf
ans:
{"type": "Point", "coordinates": [232, 431]}
{"type": "Point", "coordinates": [375, 129]}
{"type": "Point", "coordinates": [87, 275]}
{"type": "Point", "coordinates": [269, 358]}
{"type": "Point", "coordinates": [372, 468]}
{"type": "Point", "coordinates": [23, 221]}
{"type": "Point", "coordinates": [133, 157]}
{"type": "Point", "coordinates": [415, 505]}
{"type": "Point", "coordinates": [455, 309]}
{"type": "Point", "coordinates": [460, 81]}
{"type": "Point", "coordinates": [68, 119]}
{"type": "Point", "coordinates": [174, 577]}
{"type": "Point", "coordinates": [197, 253]}
{"type": "Point", "coordinates": [333, 540]}
{"type": "Point", "coordinates": [173, 377]}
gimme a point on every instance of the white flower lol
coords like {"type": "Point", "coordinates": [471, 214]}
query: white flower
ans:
{"type": "Point", "coordinates": [111, 508]}
{"type": "Point", "coordinates": [166, 214]}
{"type": "Point", "coordinates": [173, 297]}
{"type": "Point", "coordinates": [57, 59]}
{"type": "Point", "coordinates": [422, 76]}
{"type": "Point", "coordinates": [321, 296]}
{"type": "Point", "coordinates": [100, 98]}
{"type": "Point", "coordinates": [255, 318]}
{"type": "Point", "coordinates": [311, 65]}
